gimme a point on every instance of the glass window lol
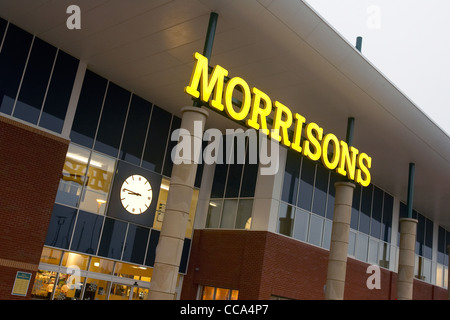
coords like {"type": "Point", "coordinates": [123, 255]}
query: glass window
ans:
{"type": "Point", "coordinates": [420, 235]}
{"type": "Point", "coordinates": [386, 226]}
{"type": "Point", "coordinates": [366, 205]}
{"type": "Point", "coordinates": [51, 256]}
{"type": "Point", "coordinates": [60, 228]}
{"type": "Point", "coordinates": [320, 191]}
{"type": "Point", "coordinates": [354, 222]}
{"type": "Point", "coordinates": [44, 285]}
{"type": "Point", "coordinates": [88, 111]}
{"type": "Point", "coordinates": [291, 177]}
{"type": "Point", "coordinates": [168, 164]}
{"type": "Point", "coordinates": [428, 239]}
{"type": "Point", "coordinates": [244, 214]}
{"type": "Point", "coordinates": [220, 177]}
{"type": "Point", "coordinates": [112, 240]}
{"type": "Point", "coordinates": [249, 180]}
{"type": "Point", "coordinates": [286, 219]}
{"type": "Point", "coordinates": [96, 289]}
{"type": "Point", "coordinates": [69, 287]}
{"type": "Point", "coordinates": [212, 293]}
{"type": "Point", "coordinates": [361, 246]}
{"type": "Point", "coordinates": [208, 293]}
{"type": "Point", "coordinates": [384, 254]}
{"type": "Point", "coordinates": [73, 176]}
{"type": "Point", "coordinates": [135, 244]}
{"type": "Point", "coordinates": [157, 136]}
{"type": "Point", "coordinates": [87, 232]}
{"type": "Point", "coordinates": [234, 180]}
{"type": "Point", "coordinates": [135, 130]}
{"type": "Point", "coordinates": [99, 177]}
{"type": "Point", "coordinates": [59, 91]}
{"type": "Point", "coordinates": [373, 251]}
{"type": "Point", "coordinates": [301, 224]}
{"type": "Point", "coordinates": [440, 275]}
{"type": "Point", "coordinates": [306, 184]}
{"type": "Point", "coordinates": [214, 213]}
{"type": "Point", "coordinates": [13, 56]}
{"type": "Point", "coordinates": [229, 213]}
{"type": "Point", "coordinates": [151, 251]}
{"type": "Point", "coordinates": [34, 83]}
{"type": "Point", "coordinates": [315, 230]}
{"type": "Point", "coordinates": [71, 259]}
{"type": "Point", "coordinates": [185, 255]}
{"type": "Point", "coordinates": [3, 24]}
{"type": "Point", "coordinates": [331, 195]}
{"type": "Point", "coordinates": [112, 120]}
{"type": "Point", "coordinates": [101, 265]}
{"type": "Point", "coordinates": [351, 243]}
{"type": "Point", "coordinates": [131, 271]}
{"type": "Point", "coordinates": [327, 227]}
{"type": "Point", "coordinates": [377, 210]}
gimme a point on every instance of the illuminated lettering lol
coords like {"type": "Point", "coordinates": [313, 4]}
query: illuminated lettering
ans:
{"type": "Point", "coordinates": [259, 113]}
{"type": "Point", "coordinates": [246, 97]}
{"type": "Point", "coordinates": [207, 84]}
{"type": "Point", "coordinates": [333, 163]}
{"type": "Point", "coordinates": [255, 108]}
{"type": "Point", "coordinates": [281, 123]}
{"type": "Point", "coordinates": [312, 140]}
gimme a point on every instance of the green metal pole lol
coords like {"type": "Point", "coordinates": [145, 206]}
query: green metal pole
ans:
{"type": "Point", "coordinates": [209, 41]}
{"type": "Point", "coordinates": [359, 43]}
{"type": "Point", "coordinates": [350, 129]}
{"type": "Point", "coordinates": [410, 189]}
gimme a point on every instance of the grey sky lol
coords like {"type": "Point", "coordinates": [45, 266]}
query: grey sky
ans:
{"type": "Point", "coordinates": [407, 40]}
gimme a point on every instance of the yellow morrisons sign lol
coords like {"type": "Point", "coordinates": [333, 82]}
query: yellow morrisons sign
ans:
{"type": "Point", "coordinates": [256, 107]}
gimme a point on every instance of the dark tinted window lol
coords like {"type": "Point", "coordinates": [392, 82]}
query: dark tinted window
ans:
{"type": "Point", "coordinates": [157, 139]}
{"type": "Point", "coordinates": [112, 120]}
{"type": "Point", "coordinates": [151, 251]}
{"type": "Point", "coordinates": [87, 232]}
{"type": "Point", "coordinates": [320, 191]}
{"type": "Point", "coordinates": [377, 210]}
{"type": "Point", "coordinates": [387, 217]}
{"type": "Point", "coordinates": [331, 194]}
{"type": "Point", "coordinates": [136, 244]}
{"type": "Point", "coordinates": [249, 180]}
{"type": "Point", "coordinates": [59, 91]}
{"type": "Point", "coordinates": [185, 255]}
{"type": "Point", "coordinates": [135, 130]}
{"type": "Point", "coordinates": [113, 238]}
{"type": "Point", "coordinates": [3, 24]}
{"type": "Point", "coordinates": [168, 164]}
{"type": "Point", "coordinates": [306, 184]}
{"type": "Point", "coordinates": [12, 62]}
{"type": "Point", "coordinates": [354, 222]}
{"type": "Point", "coordinates": [428, 238]}
{"type": "Point", "coordinates": [60, 228]}
{"type": "Point", "coordinates": [291, 177]}
{"type": "Point", "coordinates": [366, 205]}
{"type": "Point", "coordinates": [220, 176]}
{"type": "Point", "coordinates": [35, 81]}
{"type": "Point", "coordinates": [88, 109]}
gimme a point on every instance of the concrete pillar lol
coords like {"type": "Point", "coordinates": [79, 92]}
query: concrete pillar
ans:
{"type": "Point", "coordinates": [408, 228]}
{"type": "Point", "coordinates": [171, 240]}
{"type": "Point", "coordinates": [337, 260]}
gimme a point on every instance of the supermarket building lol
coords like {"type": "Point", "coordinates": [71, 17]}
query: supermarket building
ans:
{"type": "Point", "coordinates": [85, 113]}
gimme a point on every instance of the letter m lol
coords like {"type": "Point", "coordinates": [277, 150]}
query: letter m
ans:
{"type": "Point", "coordinates": [214, 82]}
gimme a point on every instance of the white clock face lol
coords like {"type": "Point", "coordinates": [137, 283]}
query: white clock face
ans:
{"type": "Point", "coordinates": [136, 194]}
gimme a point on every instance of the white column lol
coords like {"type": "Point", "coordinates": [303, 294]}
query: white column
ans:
{"type": "Point", "coordinates": [171, 240]}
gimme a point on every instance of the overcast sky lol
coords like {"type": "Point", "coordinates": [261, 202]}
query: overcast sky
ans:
{"type": "Point", "coordinates": [407, 40]}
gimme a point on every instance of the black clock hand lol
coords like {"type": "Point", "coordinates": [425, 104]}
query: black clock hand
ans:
{"type": "Point", "coordinates": [132, 192]}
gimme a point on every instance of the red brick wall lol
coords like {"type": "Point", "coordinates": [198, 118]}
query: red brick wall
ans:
{"type": "Point", "coordinates": [31, 163]}
{"type": "Point", "coordinates": [260, 264]}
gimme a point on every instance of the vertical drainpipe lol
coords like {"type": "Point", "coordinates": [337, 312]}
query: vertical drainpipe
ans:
{"type": "Point", "coordinates": [179, 198]}
{"type": "Point", "coordinates": [406, 259]}
{"type": "Point", "coordinates": [337, 259]}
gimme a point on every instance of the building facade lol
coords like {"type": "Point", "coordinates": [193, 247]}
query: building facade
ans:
{"type": "Point", "coordinates": [73, 140]}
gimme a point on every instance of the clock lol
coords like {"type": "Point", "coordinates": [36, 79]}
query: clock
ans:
{"type": "Point", "coordinates": [136, 194]}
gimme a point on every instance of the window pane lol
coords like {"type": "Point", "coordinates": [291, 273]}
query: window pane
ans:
{"type": "Point", "coordinates": [101, 265]}
{"type": "Point", "coordinates": [386, 227]}
{"type": "Point", "coordinates": [373, 251]}
{"type": "Point", "coordinates": [208, 293]}
{"type": "Point", "coordinates": [151, 251]}
{"type": "Point", "coordinates": [361, 246]}
{"type": "Point", "coordinates": [35, 81]}
{"type": "Point", "coordinates": [168, 164]}
{"type": "Point", "coordinates": [315, 230]}
{"type": "Point", "coordinates": [366, 205]}
{"type": "Point", "coordinates": [234, 180]}
{"type": "Point", "coordinates": [112, 120]}
{"type": "Point", "coordinates": [87, 232]}
{"type": "Point", "coordinates": [331, 195]}
{"type": "Point", "coordinates": [157, 136]}
{"type": "Point", "coordinates": [420, 237]}
{"type": "Point", "coordinates": [306, 184]}
{"type": "Point", "coordinates": [301, 223]}
{"type": "Point", "coordinates": [95, 289]}
{"type": "Point", "coordinates": [73, 176]}
{"type": "Point", "coordinates": [354, 222]}
{"type": "Point", "coordinates": [428, 238]}
{"type": "Point", "coordinates": [351, 243]}
{"type": "Point", "coordinates": [113, 237]}
{"type": "Point", "coordinates": [220, 176]}
{"type": "Point", "coordinates": [377, 208]}
{"type": "Point", "coordinates": [291, 177]}
{"type": "Point", "coordinates": [12, 62]}
{"type": "Point", "coordinates": [135, 130]}
{"type": "Point", "coordinates": [136, 244]}
{"type": "Point", "coordinates": [384, 254]}
{"type": "Point", "coordinates": [60, 228]}
{"type": "Point", "coordinates": [222, 294]}
{"type": "Point", "coordinates": [214, 213]}
{"type": "Point", "coordinates": [249, 180]}
{"type": "Point", "coordinates": [320, 191]}
{"type": "Point", "coordinates": [59, 91]}
{"type": "Point", "coordinates": [51, 256]}
{"type": "Point", "coordinates": [185, 256]}
{"type": "Point", "coordinates": [69, 287]}
{"type": "Point", "coordinates": [75, 259]}
{"type": "Point", "coordinates": [244, 214]}
{"type": "Point", "coordinates": [229, 214]}
{"type": "Point", "coordinates": [286, 219]}
{"type": "Point", "coordinates": [88, 109]}
{"type": "Point", "coordinates": [95, 194]}
{"type": "Point", "coordinates": [328, 225]}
